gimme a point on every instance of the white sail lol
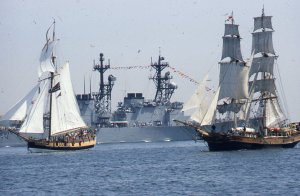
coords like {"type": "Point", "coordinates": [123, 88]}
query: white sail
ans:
{"type": "Point", "coordinates": [203, 106]}
{"type": "Point", "coordinates": [233, 80]}
{"type": "Point", "coordinates": [274, 114]}
{"type": "Point", "coordinates": [34, 121]}
{"type": "Point", "coordinates": [65, 113]}
{"type": "Point", "coordinates": [46, 63]}
{"type": "Point", "coordinates": [210, 114]}
{"type": "Point", "coordinates": [196, 98]}
{"type": "Point", "coordinates": [19, 110]}
{"type": "Point", "coordinates": [197, 115]}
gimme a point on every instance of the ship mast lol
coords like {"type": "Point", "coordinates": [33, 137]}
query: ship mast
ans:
{"type": "Point", "coordinates": [103, 97]}
{"type": "Point", "coordinates": [164, 88]}
{"type": "Point", "coordinates": [263, 64]}
{"type": "Point", "coordinates": [53, 58]}
{"type": "Point", "coordinates": [233, 78]}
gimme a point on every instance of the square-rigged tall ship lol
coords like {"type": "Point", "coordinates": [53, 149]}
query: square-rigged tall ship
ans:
{"type": "Point", "coordinates": [48, 117]}
{"type": "Point", "coordinates": [245, 112]}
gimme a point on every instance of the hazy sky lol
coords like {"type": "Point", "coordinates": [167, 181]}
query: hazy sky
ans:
{"type": "Point", "coordinates": [130, 32]}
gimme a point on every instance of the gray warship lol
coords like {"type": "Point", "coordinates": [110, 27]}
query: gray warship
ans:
{"type": "Point", "coordinates": [136, 119]}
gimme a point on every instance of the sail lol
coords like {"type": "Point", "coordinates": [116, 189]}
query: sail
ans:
{"type": "Point", "coordinates": [233, 80]}
{"type": "Point", "coordinates": [210, 114]}
{"type": "Point", "coordinates": [262, 42]}
{"type": "Point", "coordinates": [197, 97]}
{"type": "Point", "coordinates": [231, 107]}
{"type": "Point", "coordinates": [263, 22]}
{"type": "Point", "coordinates": [34, 121]}
{"type": "Point", "coordinates": [46, 64]}
{"type": "Point", "coordinates": [19, 110]}
{"type": "Point", "coordinates": [65, 113]}
{"type": "Point", "coordinates": [264, 85]}
{"type": "Point", "coordinates": [197, 115]}
{"type": "Point", "coordinates": [232, 48]}
{"type": "Point", "coordinates": [262, 64]}
{"type": "Point", "coordinates": [274, 114]}
{"type": "Point", "coordinates": [203, 106]}
{"type": "Point", "coordinates": [231, 29]}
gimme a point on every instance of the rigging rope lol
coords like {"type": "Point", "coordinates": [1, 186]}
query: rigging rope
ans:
{"type": "Point", "coordinates": [181, 74]}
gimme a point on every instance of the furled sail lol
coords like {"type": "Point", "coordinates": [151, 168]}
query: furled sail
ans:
{"type": "Point", "coordinates": [19, 110]}
{"type": "Point", "coordinates": [34, 121]}
{"type": "Point", "coordinates": [65, 112]}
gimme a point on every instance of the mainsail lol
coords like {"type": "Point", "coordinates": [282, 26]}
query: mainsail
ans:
{"type": "Point", "coordinates": [54, 109]}
{"type": "Point", "coordinates": [65, 111]}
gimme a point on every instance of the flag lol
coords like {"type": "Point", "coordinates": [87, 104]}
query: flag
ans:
{"type": "Point", "coordinates": [55, 88]}
{"type": "Point", "coordinates": [229, 18]}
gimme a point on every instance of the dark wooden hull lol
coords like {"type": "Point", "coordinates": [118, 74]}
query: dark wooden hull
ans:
{"type": "Point", "coordinates": [223, 142]}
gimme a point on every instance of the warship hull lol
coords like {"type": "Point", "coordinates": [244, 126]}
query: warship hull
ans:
{"type": "Point", "coordinates": [146, 134]}
{"type": "Point", "coordinates": [8, 139]}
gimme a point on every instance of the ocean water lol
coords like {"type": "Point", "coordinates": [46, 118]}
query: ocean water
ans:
{"type": "Point", "coordinates": [167, 168]}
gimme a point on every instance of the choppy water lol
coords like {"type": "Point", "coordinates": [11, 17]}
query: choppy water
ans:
{"type": "Point", "coordinates": [169, 168]}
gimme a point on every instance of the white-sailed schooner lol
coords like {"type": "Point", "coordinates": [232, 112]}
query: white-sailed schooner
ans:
{"type": "Point", "coordinates": [49, 115]}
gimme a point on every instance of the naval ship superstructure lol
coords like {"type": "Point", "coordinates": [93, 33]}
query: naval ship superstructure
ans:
{"type": "Point", "coordinates": [136, 119]}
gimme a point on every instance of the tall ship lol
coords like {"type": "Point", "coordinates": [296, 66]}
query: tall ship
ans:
{"type": "Point", "coordinates": [245, 111]}
{"type": "Point", "coordinates": [48, 118]}
{"type": "Point", "coordinates": [136, 119]}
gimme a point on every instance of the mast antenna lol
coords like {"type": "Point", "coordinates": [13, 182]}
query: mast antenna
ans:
{"type": "Point", "coordinates": [90, 84]}
{"type": "Point", "coordinates": [84, 84]}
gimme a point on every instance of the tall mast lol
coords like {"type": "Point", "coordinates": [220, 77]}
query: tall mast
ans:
{"type": "Point", "coordinates": [164, 88]}
{"type": "Point", "coordinates": [233, 77]}
{"type": "Point", "coordinates": [263, 66]}
{"type": "Point", "coordinates": [103, 97]}
{"type": "Point", "coordinates": [51, 83]}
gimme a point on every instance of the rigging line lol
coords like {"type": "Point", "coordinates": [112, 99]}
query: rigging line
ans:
{"type": "Point", "coordinates": [148, 66]}
{"type": "Point", "coordinates": [282, 90]}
